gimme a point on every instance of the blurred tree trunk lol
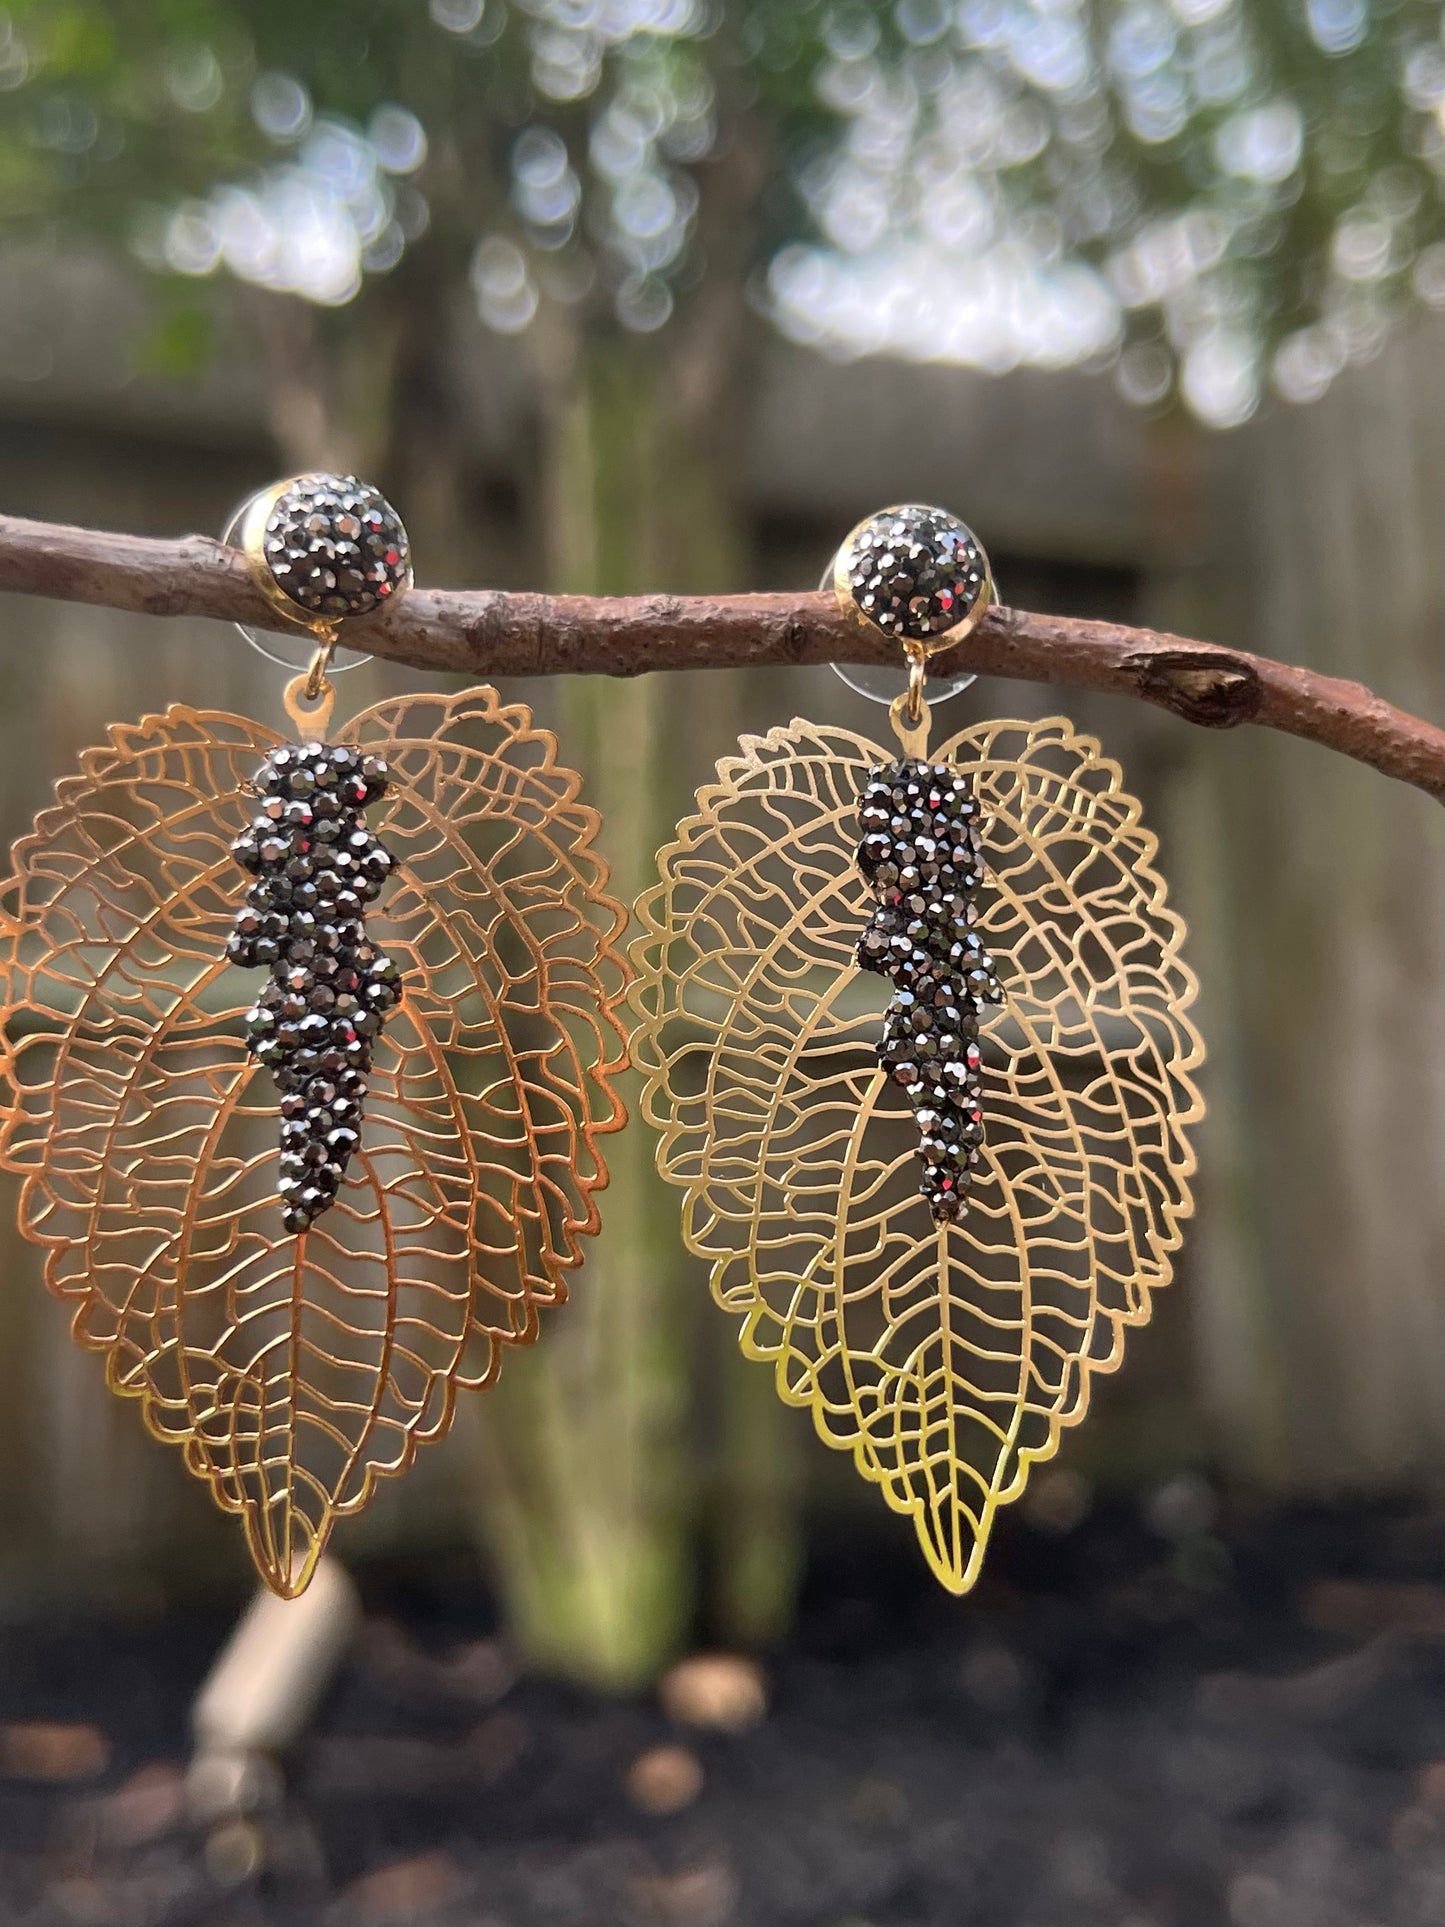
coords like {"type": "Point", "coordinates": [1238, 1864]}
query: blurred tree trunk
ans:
{"type": "Point", "coordinates": [589, 1435]}
{"type": "Point", "coordinates": [589, 1480]}
{"type": "Point", "coordinates": [590, 1450]}
{"type": "Point", "coordinates": [1322, 1311]}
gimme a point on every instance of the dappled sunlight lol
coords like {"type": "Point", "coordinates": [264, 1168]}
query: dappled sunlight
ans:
{"type": "Point", "coordinates": [1218, 200]}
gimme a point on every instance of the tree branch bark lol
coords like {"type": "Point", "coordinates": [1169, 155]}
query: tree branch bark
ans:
{"type": "Point", "coordinates": [489, 633]}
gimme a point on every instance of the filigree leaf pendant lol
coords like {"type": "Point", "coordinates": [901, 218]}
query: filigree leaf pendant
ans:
{"type": "Point", "coordinates": [936, 1204]}
{"type": "Point", "coordinates": [297, 1211]}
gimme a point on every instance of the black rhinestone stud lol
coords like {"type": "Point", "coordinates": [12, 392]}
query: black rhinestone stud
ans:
{"type": "Point", "coordinates": [325, 548]}
{"type": "Point", "coordinates": [916, 573]}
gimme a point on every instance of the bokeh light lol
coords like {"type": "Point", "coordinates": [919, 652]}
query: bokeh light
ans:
{"type": "Point", "coordinates": [999, 183]}
{"type": "Point", "coordinates": [311, 226]}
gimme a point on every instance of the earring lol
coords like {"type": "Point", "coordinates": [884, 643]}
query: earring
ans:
{"type": "Point", "coordinates": [945, 1328]}
{"type": "Point", "coordinates": [298, 1211]}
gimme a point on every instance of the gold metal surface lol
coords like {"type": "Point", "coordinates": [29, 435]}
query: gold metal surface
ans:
{"type": "Point", "coordinates": [946, 1358]}
{"type": "Point", "coordinates": [911, 716]}
{"type": "Point", "coordinates": [296, 1371]}
{"type": "Point", "coordinates": [309, 707]}
{"type": "Point", "coordinates": [249, 534]}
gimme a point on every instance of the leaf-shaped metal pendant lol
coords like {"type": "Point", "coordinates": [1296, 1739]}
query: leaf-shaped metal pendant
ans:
{"type": "Point", "coordinates": [946, 1356]}
{"type": "Point", "coordinates": [297, 1370]}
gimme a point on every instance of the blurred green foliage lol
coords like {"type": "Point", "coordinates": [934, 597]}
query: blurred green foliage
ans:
{"type": "Point", "coordinates": [1211, 195]}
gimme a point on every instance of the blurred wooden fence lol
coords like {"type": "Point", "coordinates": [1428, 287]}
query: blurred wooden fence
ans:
{"type": "Point", "coordinates": [1305, 1347]}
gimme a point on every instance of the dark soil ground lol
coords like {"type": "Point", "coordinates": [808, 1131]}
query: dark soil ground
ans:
{"type": "Point", "coordinates": [1161, 1724]}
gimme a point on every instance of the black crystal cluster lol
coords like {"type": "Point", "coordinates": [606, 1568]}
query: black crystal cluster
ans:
{"type": "Point", "coordinates": [921, 854]}
{"type": "Point", "coordinates": [916, 572]}
{"type": "Point", "coordinates": [335, 546]}
{"type": "Point", "coordinates": [315, 1024]}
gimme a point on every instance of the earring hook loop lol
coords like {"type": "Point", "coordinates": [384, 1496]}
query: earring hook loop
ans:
{"type": "Point", "coordinates": [317, 676]}
{"type": "Point", "coordinates": [310, 710]}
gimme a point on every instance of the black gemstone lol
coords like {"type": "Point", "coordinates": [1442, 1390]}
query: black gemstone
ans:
{"type": "Point", "coordinates": [315, 1022]}
{"type": "Point", "coordinates": [920, 852]}
{"type": "Point", "coordinates": [312, 544]}
{"type": "Point", "coordinates": [916, 572]}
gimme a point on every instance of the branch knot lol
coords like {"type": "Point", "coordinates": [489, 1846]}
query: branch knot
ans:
{"type": "Point", "coordinates": [1202, 686]}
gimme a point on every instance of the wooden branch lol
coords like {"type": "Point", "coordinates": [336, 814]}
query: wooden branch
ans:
{"type": "Point", "coordinates": [487, 633]}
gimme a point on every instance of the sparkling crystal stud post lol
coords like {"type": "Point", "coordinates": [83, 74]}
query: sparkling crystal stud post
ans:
{"type": "Point", "coordinates": [915, 573]}
{"type": "Point", "coordinates": [324, 549]}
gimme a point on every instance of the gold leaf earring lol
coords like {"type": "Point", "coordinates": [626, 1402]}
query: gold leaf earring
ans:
{"type": "Point", "coordinates": [307, 1049]}
{"type": "Point", "coordinates": [936, 1221]}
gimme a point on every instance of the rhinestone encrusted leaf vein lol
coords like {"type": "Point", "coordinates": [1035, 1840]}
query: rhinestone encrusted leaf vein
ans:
{"type": "Point", "coordinates": [316, 1022]}
{"type": "Point", "coordinates": [922, 857]}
